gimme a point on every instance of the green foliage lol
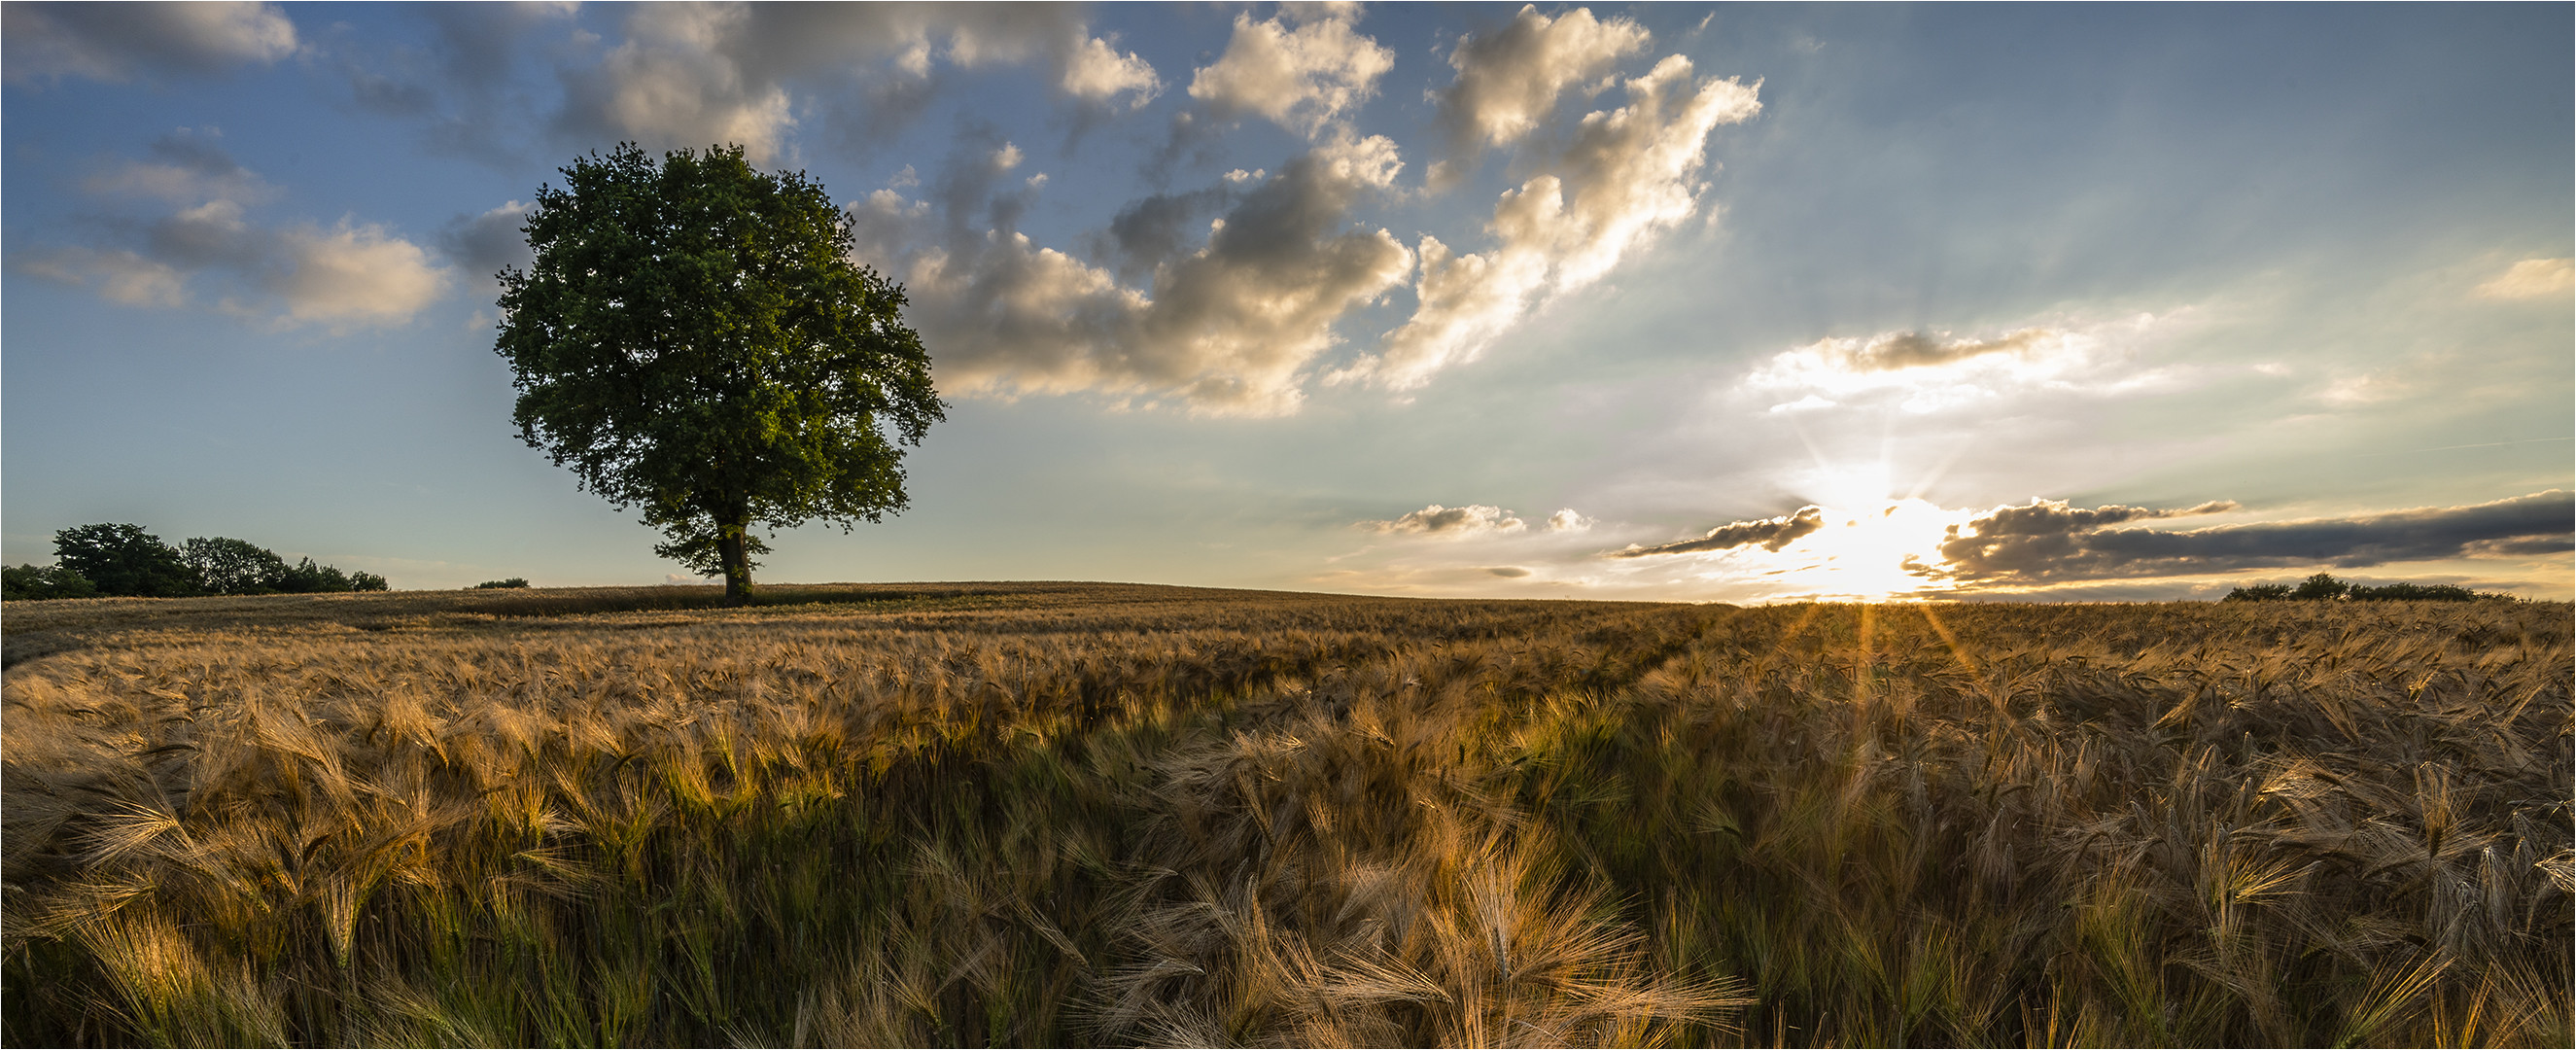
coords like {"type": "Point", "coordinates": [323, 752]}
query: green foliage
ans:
{"type": "Point", "coordinates": [44, 581]}
{"type": "Point", "coordinates": [2416, 592]}
{"type": "Point", "coordinates": [692, 339]}
{"type": "Point", "coordinates": [2319, 587]}
{"type": "Point", "coordinates": [124, 560]}
{"type": "Point", "coordinates": [2261, 592]}
{"type": "Point", "coordinates": [495, 585]}
{"type": "Point", "coordinates": [2323, 587]}
{"type": "Point", "coordinates": [229, 566]}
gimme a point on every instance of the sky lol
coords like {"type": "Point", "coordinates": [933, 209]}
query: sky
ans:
{"type": "Point", "coordinates": [1678, 302]}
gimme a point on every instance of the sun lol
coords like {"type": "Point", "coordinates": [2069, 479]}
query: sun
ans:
{"type": "Point", "coordinates": [1869, 533]}
{"type": "Point", "coordinates": [1861, 551]}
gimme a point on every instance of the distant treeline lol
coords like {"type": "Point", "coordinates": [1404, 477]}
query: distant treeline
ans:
{"type": "Point", "coordinates": [2325, 588]}
{"type": "Point", "coordinates": [104, 561]}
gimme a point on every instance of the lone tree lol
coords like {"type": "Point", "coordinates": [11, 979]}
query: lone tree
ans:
{"type": "Point", "coordinates": [694, 340]}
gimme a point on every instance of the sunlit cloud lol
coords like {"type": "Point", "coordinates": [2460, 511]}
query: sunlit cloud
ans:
{"type": "Point", "coordinates": [1920, 372]}
{"type": "Point", "coordinates": [1509, 79]}
{"type": "Point", "coordinates": [1303, 69]}
{"type": "Point", "coordinates": [2532, 279]}
{"type": "Point", "coordinates": [1628, 176]}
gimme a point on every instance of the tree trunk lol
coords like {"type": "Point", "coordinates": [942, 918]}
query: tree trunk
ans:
{"type": "Point", "coordinates": [737, 562]}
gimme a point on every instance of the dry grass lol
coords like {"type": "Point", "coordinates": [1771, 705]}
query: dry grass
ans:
{"type": "Point", "coordinates": [1061, 813]}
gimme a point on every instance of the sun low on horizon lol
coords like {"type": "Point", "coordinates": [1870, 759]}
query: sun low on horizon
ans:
{"type": "Point", "coordinates": [1668, 302]}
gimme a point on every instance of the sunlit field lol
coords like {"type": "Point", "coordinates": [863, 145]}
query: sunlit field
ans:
{"type": "Point", "coordinates": [1074, 814]}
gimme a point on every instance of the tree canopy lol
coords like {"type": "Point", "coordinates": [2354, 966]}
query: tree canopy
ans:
{"type": "Point", "coordinates": [693, 339]}
{"type": "Point", "coordinates": [115, 560]}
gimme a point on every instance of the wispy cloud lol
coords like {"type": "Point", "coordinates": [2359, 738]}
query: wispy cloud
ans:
{"type": "Point", "coordinates": [2532, 279]}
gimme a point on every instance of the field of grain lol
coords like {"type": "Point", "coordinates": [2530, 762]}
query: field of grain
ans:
{"type": "Point", "coordinates": [1074, 814]}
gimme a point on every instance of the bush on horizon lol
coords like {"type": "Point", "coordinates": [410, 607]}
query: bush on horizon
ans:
{"type": "Point", "coordinates": [123, 561]}
{"type": "Point", "coordinates": [2324, 587]}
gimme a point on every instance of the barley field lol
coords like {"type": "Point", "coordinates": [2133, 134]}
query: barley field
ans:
{"type": "Point", "coordinates": [1080, 814]}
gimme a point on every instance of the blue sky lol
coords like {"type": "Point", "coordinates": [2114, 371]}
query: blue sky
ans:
{"type": "Point", "coordinates": [1709, 303]}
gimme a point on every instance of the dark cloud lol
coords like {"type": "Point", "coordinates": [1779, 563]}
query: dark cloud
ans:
{"type": "Point", "coordinates": [485, 244]}
{"type": "Point", "coordinates": [2049, 541]}
{"type": "Point", "coordinates": [1771, 534]}
{"type": "Point", "coordinates": [196, 151]}
{"type": "Point", "coordinates": [1911, 349]}
{"type": "Point", "coordinates": [1158, 229]}
{"type": "Point", "coordinates": [1508, 572]}
{"type": "Point", "coordinates": [2050, 517]}
{"type": "Point", "coordinates": [1436, 520]}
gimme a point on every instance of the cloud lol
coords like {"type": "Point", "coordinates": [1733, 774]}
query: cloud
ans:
{"type": "Point", "coordinates": [1567, 520]}
{"type": "Point", "coordinates": [345, 275]}
{"type": "Point", "coordinates": [1228, 328]}
{"type": "Point", "coordinates": [2048, 541]}
{"type": "Point", "coordinates": [1455, 523]}
{"type": "Point", "coordinates": [486, 244]}
{"type": "Point", "coordinates": [692, 75]}
{"type": "Point", "coordinates": [188, 166]}
{"type": "Point", "coordinates": [1771, 534]}
{"type": "Point", "coordinates": [1930, 371]}
{"type": "Point", "coordinates": [1303, 69]}
{"type": "Point", "coordinates": [1097, 72]}
{"type": "Point", "coordinates": [114, 42]}
{"type": "Point", "coordinates": [1508, 80]}
{"type": "Point", "coordinates": [2531, 279]}
{"type": "Point", "coordinates": [1508, 572]}
{"type": "Point", "coordinates": [354, 274]}
{"type": "Point", "coordinates": [123, 277]}
{"type": "Point", "coordinates": [1896, 350]}
{"type": "Point", "coordinates": [1627, 175]}
{"type": "Point", "coordinates": [674, 82]}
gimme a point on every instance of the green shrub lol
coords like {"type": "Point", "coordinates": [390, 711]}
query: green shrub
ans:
{"type": "Point", "coordinates": [124, 560]}
{"type": "Point", "coordinates": [495, 585]}
{"type": "Point", "coordinates": [44, 581]}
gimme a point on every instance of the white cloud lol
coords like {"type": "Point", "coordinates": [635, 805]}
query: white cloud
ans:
{"type": "Point", "coordinates": [1567, 520]}
{"type": "Point", "coordinates": [355, 274]}
{"type": "Point", "coordinates": [697, 74]}
{"type": "Point", "coordinates": [1229, 327]}
{"type": "Point", "coordinates": [1508, 81]}
{"type": "Point", "coordinates": [1628, 175]}
{"type": "Point", "coordinates": [113, 42]}
{"type": "Point", "coordinates": [2532, 279]}
{"type": "Point", "coordinates": [1096, 71]}
{"type": "Point", "coordinates": [1301, 76]}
